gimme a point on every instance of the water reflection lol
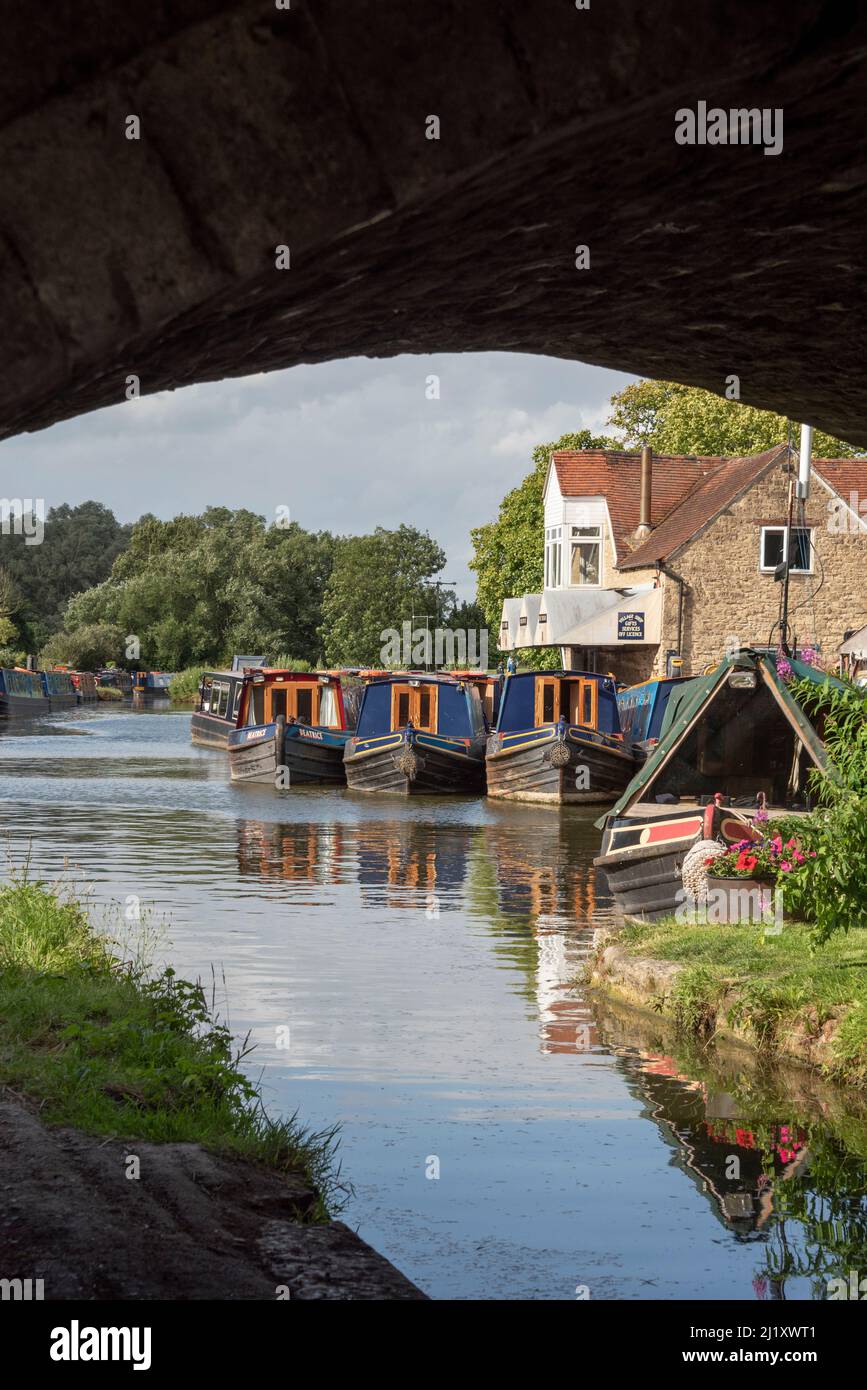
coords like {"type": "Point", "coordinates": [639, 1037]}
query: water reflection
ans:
{"type": "Point", "coordinates": [425, 958]}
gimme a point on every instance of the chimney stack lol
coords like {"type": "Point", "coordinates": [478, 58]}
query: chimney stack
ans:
{"type": "Point", "coordinates": [646, 488]}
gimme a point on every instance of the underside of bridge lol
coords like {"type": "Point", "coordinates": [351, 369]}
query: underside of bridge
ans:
{"type": "Point", "coordinates": [309, 128]}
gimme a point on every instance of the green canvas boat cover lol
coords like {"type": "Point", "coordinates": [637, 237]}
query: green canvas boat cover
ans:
{"type": "Point", "coordinates": [686, 700]}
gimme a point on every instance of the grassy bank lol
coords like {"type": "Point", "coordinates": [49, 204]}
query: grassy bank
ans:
{"type": "Point", "coordinates": [100, 1044]}
{"type": "Point", "coordinates": [779, 993]}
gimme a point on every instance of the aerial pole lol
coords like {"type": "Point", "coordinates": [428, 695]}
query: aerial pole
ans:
{"type": "Point", "coordinates": [801, 489]}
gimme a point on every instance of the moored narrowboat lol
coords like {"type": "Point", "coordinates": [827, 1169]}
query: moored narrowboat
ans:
{"type": "Point", "coordinates": [59, 690]}
{"type": "Point", "coordinates": [418, 733]}
{"type": "Point", "coordinates": [642, 709]}
{"type": "Point", "coordinates": [22, 694]}
{"type": "Point", "coordinates": [85, 686]}
{"type": "Point", "coordinates": [115, 679]}
{"type": "Point", "coordinates": [151, 685]}
{"type": "Point", "coordinates": [291, 729]}
{"type": "Point", "coordinates": [558, 740]}
{"type": "Point", "coordinates": [730, 741]}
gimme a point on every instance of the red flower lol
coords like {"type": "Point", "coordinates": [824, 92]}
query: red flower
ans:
{"type": "Point", "coordinates": [746, 861]}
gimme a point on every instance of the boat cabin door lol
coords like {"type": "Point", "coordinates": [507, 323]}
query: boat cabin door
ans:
{"type": "Point", "coordinates": [414, 702]}
{"type": "Point", "coordinates": [577, 700]}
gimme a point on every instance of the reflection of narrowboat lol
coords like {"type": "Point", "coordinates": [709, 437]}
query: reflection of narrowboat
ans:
{"type": "Point", "coordinates": [418, 733]}
{"type": "Point", "coordinates": [642, 710]}
{"type": "Point", "coordinates": [59, 690]}
{"type": "Point", "coordinates": [558, 739]}
{"type": "Point", "coordinates": [114, 679]}
{"type": "Point", "coordinates": [150, 685]}
{"type": "Point", "coordinates": [289, 722]}
{"type": "Point", "coordinates": [738, 732]}
{"type": "Point", "coordinates": [21, 694]}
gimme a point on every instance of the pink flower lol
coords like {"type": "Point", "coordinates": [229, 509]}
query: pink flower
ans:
{"type": "Point", "coordinates": [799, 858]}
{"type": "Point", "coordinates": [812, 854]}
{"type": "Point", "coordinates": [785, 866]}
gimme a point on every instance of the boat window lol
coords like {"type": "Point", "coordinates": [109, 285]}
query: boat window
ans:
{"type": "Point", "coordinates": [588, 704]}
{"type": "Point", "coordinates": [328, 707]}
{"type": "Point", "coordinates": [256, 705]}
{"type": "Point", "coordinates": [304, 704]}
{"type": "Point", "coordinates": [236, 703]}
{"type": "Point", "coordinates": [220, 699]}
{"type": "Point", "coordinates": [278, 702]}
{"type": "Point", "coordinates": [402, 709]}
{"type": "Point", "coordinates": [424, 709]}
{"type": "Point", "coordinates": [207, 687]}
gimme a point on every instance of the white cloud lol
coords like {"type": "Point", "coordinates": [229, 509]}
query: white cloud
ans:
{"type": "Point", "coordinates": [347, 445]}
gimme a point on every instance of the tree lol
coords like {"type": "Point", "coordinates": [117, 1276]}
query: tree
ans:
{"type": "Point", "coordinates": [676, 419]}
{"type": "Point", "coordinates": [88, 648]}
{"type": "Point", "coordinates": [78, 549]}
{"type": "Point", "coordinates": [508, 554]}
{"type": "Point", "coordinates": [377, 582]}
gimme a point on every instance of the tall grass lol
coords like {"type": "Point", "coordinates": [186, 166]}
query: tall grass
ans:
{"type": "Point", "coordinates": [184, 686]}
{"type": "Point", "coordinates": [107, 1048]}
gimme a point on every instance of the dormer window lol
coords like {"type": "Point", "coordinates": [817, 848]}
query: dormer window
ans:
{"type": "Point", "coordinates": [585, 555]}
{"type": "Point", "coordinates": [553, 552]}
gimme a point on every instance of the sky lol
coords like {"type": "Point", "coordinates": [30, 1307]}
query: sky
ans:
{"type": "Point", "coordinates": [345, 445]}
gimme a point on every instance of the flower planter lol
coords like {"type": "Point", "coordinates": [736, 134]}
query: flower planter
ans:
{"type": "Point", "coordinates": [740, 899]}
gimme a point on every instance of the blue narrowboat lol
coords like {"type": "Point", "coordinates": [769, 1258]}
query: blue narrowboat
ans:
{"type": "Point", "coordinates": [558, 739]}
{"type": "Point", "coordinates": [59, 689]}
{"type": "Point", "coordinates": [418, 733]}
{"type": "Point", "coordinates": [21, 694]}
{"type": "Point", "coordinates": [148, 685]}
{"type": "Point", "coordinates": [290, 728]}
{"type": "Point", "coordinates": [642, 709]}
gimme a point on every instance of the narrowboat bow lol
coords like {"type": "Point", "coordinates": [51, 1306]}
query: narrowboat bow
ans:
{"type": "Point", "coordinates": [729, 741]}
{"type": "Point", "coordinates": [558, 740]}
{"type": "Point", "coordinates": [418, 733]}
{"type": "Point", "coordinates": [291, 729]}
{"type": "Point", "coordinates": [21, 694]}
{"type": "Point", "coordinates": [59, 690]}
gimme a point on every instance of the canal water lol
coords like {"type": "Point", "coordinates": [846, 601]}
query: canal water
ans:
{"type": "Point", "coordinates": [408, 971]}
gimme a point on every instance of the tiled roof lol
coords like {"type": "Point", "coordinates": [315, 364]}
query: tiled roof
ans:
{"type": "Point", "coordinates": [716, 491]}
{"type": "Point", "coordinates": [846, 476]}
{"type": "Point", "coordinates": [687, 491]}
{"type": "Point", "coordinates": [616, 477]}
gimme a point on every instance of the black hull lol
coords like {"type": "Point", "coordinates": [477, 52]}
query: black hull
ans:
{"type": "Point", "coordinates": [415, 771]}
{"type": "Point", "coordinates": [22, 706]}
{"type": "Point", "coordinates": [534, 773]}
{"type": "Point", "coordinates": [58, 702]}
{"type": "Point", "coordinates": [646, 882]}
{"type": "Point", "coordinates": [306, 762]}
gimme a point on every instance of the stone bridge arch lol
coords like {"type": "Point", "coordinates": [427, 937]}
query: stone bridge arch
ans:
{"type": "Point", "coordinates": [309, 127]}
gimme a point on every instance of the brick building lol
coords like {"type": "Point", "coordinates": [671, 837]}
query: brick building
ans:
{"type": "Point", "coordinates": [658, 562]}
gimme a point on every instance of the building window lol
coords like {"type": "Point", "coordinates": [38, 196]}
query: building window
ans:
{"type": "Point", "coordinates": [800, 549]}
{"type": "Point", "coordinates": [586, 553]}
{"type": "Point", "coordinates": [553, 544]}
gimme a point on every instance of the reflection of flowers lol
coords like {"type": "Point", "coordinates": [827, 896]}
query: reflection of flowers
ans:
{"type": "Point", "coordinates": [760, 1285]}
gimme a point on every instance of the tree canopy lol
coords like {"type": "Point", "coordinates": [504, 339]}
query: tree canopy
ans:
{"type": "Point", "coordinates": [676, 419]}
{"type": "Point", "coordinates": [79, 547]}
{"type": "Point", "coordinates": [195, 589]}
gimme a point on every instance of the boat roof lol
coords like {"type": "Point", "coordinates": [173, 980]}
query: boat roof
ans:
{"type": "Point", "coordinates": [686, 704]}
{"type": "Point", "coordinates": [563, 673]}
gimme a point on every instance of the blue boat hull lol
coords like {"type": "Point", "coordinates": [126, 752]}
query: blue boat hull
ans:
{"type": "Point", "coordinates": [423, 764]}
{"type": "Point", "coordinates": [574, 765]}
